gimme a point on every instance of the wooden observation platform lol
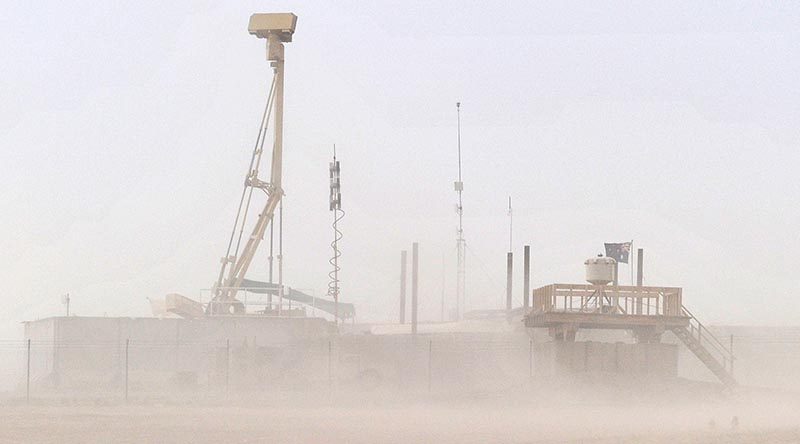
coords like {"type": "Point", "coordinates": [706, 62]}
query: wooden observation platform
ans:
{"type": "Point", "coordinates": [646, 311]}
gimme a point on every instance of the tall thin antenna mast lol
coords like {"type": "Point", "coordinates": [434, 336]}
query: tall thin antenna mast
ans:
{"type": "Point", "coordinates": [460, 242]}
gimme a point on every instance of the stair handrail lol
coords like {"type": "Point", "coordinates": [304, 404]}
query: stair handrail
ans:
{"type": "Point", "coordinates": [727, 354]}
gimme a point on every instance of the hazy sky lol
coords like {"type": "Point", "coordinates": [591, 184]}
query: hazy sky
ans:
{"type": "Point", "coordinates": [126, 128]}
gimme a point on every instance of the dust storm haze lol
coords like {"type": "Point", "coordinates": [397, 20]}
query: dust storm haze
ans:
{"type": "Point", "coordinates": [549, 222]}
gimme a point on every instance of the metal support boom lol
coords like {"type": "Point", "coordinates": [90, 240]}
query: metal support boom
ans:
{"type": "Point", "coordinates": [224, 299]}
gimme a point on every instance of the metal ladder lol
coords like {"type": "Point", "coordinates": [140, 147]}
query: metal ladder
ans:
{"type": "Point", "coordinates": [717, 357]}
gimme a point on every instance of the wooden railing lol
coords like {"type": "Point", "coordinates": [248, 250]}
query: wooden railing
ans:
{"type": "Point", "coordinates": [622, 300]}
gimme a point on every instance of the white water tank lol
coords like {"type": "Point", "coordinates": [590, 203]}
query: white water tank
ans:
{"type": "Point", "coordinates": [600, 270]}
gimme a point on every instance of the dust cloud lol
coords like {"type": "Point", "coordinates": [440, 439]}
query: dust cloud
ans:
{"type": "Point", "coordinates": [125, 134]}
{"type": "Point", "coordinates": [498, 385]}
{"type": "Point", "coordinates": [520, 415]}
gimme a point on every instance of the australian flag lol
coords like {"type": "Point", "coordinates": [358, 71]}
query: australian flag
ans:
{"type": "Point", "coordinates": [620, 252]}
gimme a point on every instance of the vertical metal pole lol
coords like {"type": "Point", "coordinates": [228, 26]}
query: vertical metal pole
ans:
{"type": "Point", "coordinates": [275, 51]}
{"type": "Point", "coordinates": [28, 376]}
{"type": "Point", "coordinates": [441, 308]}
{"type": "Point", "coordinates": [640, 277]}
{"type": "Point", "coordinates": [509, 281]}
{"type": "Point", "coordinates": [630, 261]}
{"type": "Point", "coordinates": [526, 282]}
{"type": "Point", "coordinates": [330, 367]}
{"type": "Point", "coordinates": [461, 279]}
{"type": "Point", "coordinates": [271, 240]}
{"type": "Point", "coordinates": [414, 285]}
{"type": "Point", "coordinates": [430, 363]}
{"type": "Point", "coordinates": [277, 61]}
{"type": "Point", "coordinates": [227, 365]}
{"type": "Point", "coordinates": [640, 267]}
{"type": "Point", "coordinates": [127, 347]}
{"type": "Point", "coordinates": [510, 226]}
{"type": "Point", "coordinates": [530, 360]}
{"type": "Point", "coordinates": [732, 358]}
{"type": "Point", "coordinates": [280, 257]}
{"type": "Point", "coordinates": [403, 281]}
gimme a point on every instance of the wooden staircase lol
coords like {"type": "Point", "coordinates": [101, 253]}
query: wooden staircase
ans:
{"type": "Point", "coordinates": [711, 352]}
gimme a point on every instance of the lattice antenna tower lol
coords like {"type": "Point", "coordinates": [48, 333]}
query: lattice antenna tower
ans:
{"type": "Point", "coordinates": [335, 206]}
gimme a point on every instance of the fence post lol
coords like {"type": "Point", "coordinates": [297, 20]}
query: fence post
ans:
{"type": "Point", "coordinates": [430, 362]}
{"type": "Point", "coordinates": [732, 358]}
{"type": "Point", "coordinates": [127, 346]}
{"type": "Point", "coordinates": [530, 361]}
{"type": "Point", "coordinates": [28, 376]}
{"type": "Point", "coordinates": [227, 365]}
{"type": "Point", "coordinates": [330, 370]}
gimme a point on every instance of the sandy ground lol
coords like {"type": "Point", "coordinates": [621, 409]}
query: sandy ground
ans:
{"type": "Point", "coordinates": [378, 421]}
{"type": "Point", "coordinates": [631, 411]}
